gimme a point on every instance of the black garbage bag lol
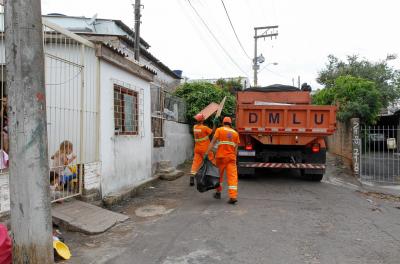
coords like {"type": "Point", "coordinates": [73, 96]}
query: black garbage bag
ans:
{"type": "Point", "coordinates": [207, 177]}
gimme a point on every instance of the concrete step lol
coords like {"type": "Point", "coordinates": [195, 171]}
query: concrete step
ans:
{"type": "Point", "coordinates": [166, 170]}
{"type": "Point", "coordinates": [172, 175]}
{"type": "Point", "coordinates": [164, 164]}
{"type": "Point", "coordinates": [84, 217]}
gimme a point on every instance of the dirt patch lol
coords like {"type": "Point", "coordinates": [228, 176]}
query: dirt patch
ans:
{"type": "Point", "coordinates": [148, 210]}
{"type": "Point", "coordinates": [382, 196]}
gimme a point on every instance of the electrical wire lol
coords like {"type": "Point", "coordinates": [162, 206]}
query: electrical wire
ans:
{"type": "Point", "coordinates": [277, 74]}
{"type": "Point", "coordinates": [200, 35]}
{"type": "Point", "coordinates": [234, 31]}
{"type": "Point", "coordinates": [216, 39]}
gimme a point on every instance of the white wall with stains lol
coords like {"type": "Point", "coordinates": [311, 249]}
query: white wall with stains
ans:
{"type": "Point", "coordinates": [178, 144]}
{"type": "Point", "coordinates": [126, 160]}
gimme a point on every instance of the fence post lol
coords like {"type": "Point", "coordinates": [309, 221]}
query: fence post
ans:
{"type": "Point", "coordinates": [355, 125]}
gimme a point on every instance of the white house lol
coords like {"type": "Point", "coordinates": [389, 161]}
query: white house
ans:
{"type": "Point", "coordinates": [100, 100]}
{"type": "Point", "coordinates": [172, 138]}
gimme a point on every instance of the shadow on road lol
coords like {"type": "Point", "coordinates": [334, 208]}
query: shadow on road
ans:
{"type": "Point", "coordinates": [273, 175]}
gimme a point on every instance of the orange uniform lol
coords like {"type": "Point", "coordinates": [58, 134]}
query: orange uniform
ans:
{"type": "Point", "coordinates": [228, 140]}
{"type": "Point", "coordinates": [202, 141]}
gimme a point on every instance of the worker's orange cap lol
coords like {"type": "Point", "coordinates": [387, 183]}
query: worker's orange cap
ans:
{"type": "Point", "coordinates": [227, 120]}
{"type": "Point", "coordinates": [199, 117]}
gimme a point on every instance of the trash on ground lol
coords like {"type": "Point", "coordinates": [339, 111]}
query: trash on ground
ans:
{"type": "Point", "coordinates": [207, 177]}
{"type": "Point", "coordinates": [60, 249]}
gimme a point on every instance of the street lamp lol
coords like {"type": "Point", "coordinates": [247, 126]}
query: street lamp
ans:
{"type": "Point", "coordinates": [266, 65]}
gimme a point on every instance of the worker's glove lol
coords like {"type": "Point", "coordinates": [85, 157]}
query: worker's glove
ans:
{"type": "Point", "coordinates": [215, 121]}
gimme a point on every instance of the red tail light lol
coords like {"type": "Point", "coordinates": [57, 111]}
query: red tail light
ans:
{"type": "Point", "coordinates": [249, 145]}
{"type": "Point", "coordinates": [315, 148]}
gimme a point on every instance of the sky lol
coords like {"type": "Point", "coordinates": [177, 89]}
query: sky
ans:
{"type": "Point", "coordinates": [309, 31]}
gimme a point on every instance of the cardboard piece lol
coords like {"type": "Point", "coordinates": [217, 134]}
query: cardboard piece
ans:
{"type": "Point", "coordinates": [209, 110]}
{"type": "Point", "coordinates": [212, 108]}
{"type": "Point", "coordinates": [221, 106]}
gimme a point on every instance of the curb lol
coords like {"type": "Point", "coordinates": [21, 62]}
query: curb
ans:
{"type": "Point", "coordinates": [379, 189]}
{"type": "Point", "coordinates": [116, 198]}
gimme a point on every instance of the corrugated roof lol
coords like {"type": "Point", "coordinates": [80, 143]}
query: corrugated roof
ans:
{"type": "Point", "coordinates": [143, 52]}
{"type": "Point", "coordinates": [86, 29]}
{"type": "Point", "coordinates": [89, 28]}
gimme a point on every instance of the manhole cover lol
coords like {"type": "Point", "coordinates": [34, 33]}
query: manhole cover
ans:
{"type": "Point", "coordinates": [152, 210]}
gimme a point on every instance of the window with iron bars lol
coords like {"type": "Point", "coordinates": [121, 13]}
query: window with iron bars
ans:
{"type": "Point", "coordinates": [126, 111]}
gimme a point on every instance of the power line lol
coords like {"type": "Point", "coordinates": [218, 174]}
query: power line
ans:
{"type": "Point", "coordinates": [216, 39]}
{"type": "Point", "coordinates": [234, 31]}
{"type": "Point", "coordinates": [273, 72]}
{"type": "Point", "coordinates": [200, 35]}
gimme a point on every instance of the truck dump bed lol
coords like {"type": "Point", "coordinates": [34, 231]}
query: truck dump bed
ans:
{"type": "Point", "coordinates": [280, 129]}
{"type": "Point", "coordinates": [283, 114]}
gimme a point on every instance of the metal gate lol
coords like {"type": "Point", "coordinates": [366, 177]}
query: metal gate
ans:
{"type": "Point", "coordinates": [380, 156]}
{"type": "Point", "coordinates": [72, 108]}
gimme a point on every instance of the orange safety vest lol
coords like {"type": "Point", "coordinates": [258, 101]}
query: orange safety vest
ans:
{"type": "Point", "coordinates": [201, 137]}
{"type": "Point", "coordinates": [228, 139]}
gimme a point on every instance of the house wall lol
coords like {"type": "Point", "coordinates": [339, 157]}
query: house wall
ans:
{"type": "Point", "coordinates": [126, 160]}
{"type": "Point", "coordinates": [178, 144]}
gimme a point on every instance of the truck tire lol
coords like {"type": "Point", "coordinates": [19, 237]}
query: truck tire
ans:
{"type": "Point", "coordinates": [312, 177]}
{"type": "Point", "coordinates": [316, 177]}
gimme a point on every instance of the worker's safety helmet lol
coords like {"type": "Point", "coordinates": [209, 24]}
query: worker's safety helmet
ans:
{"type": "Point", "coordinates": [199, 117]}
{"type": "Point", "coordinates": [227, 120]}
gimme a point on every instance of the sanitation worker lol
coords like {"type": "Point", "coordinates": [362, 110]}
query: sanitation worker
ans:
{"type": "Point", "coordinates": [201, 134]}
{"type": "Point", "coordinates": [228, 140]}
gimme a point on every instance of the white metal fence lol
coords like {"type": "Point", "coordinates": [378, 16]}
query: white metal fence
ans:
{"type": "Point", "coordinates": [380, 154]}
{"type": "Point", "coordinates": [72, 102]}
{"type": "Point", "coordinates": [72, 108]}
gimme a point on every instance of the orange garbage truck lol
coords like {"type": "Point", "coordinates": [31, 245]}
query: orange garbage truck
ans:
{"type": "Point", "coordinates": [280, 129]}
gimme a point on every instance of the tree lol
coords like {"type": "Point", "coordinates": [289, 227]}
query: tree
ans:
{"type": "Point", "coordinates": [199, 95]}
{"type": "Point", "coordinates": [355, 97]}
{"type": "Point", "coordinates": [385, 77]}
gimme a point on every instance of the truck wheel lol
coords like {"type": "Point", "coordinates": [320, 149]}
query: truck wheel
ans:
{"type": "Point", "coordinates": [312, 177]}
{"type": "Point", "coordinates": [316, 177]}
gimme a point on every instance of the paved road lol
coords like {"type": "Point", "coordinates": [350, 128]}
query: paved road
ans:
{"type": "Point", "coordinates": [277, 220]}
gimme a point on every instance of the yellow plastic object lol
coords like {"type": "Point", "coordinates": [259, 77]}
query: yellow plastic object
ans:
{"type": "Point", "coordinates": [73, 169]}
{"type": "Point", "coordinates": [61, 249]}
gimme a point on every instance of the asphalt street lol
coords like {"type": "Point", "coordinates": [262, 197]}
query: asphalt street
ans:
{"type": "Point", "coordinates": [280, 218]}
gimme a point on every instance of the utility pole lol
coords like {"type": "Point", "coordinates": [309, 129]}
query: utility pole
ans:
{"type": "Point", "coordinates": [137, 7]}
{"type": "Point", "coordinates": [264, 35]}
{"type": "Point", "coordinates": [31, 223]}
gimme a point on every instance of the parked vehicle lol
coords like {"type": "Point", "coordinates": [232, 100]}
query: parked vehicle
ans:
{"type": "Point", "coordinates": [280, 129]}
{"type": "Point", "coordinates": [377, 142]}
